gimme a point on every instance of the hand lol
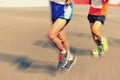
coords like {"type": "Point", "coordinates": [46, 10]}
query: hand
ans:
{"type": "Point", "coordinates": [105, 0]}
{"type": "Point", "coordinates": [68, 2]}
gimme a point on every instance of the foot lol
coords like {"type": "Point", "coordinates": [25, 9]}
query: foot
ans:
{"type": "Point", "coordinates": [63, 57]}
{"type": "Point", "coordinates": [104, 44]}
{"type": "Point", "coordinates": [97, 52]}
{"type": "Point", "coordinates": [69, 64]}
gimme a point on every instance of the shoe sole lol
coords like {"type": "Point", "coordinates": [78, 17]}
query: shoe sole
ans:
{"type": "Point", "coordinates": [99, 55]}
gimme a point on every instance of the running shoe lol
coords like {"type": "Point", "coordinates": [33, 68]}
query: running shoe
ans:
{"type": "Point", "coordinates": [97, 52]}
{"type": "Point", "coordinates": [104, 44]}
{"type": "Point", "coordinates": [63, 57]}
{"type": "Point", "coordinates": [69, 64]}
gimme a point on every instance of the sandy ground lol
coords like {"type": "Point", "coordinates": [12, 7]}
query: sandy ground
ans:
{"type": "Point", "coordinates": [27, 54]}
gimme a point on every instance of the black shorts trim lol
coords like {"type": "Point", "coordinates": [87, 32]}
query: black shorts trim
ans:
{"type": "Point", "coordinates": [67, 20]}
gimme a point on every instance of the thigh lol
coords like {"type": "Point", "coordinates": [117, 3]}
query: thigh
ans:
{"type": "Point", "coordinates": [97, 25]}
{"type": "Point", "coordinates": [57, 26]}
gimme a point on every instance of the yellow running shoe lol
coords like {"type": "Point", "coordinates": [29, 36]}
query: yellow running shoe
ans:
{"type": "Point", "coordinates": [97, 52]}
{"type": "Point", "coordinates": [104, 44]}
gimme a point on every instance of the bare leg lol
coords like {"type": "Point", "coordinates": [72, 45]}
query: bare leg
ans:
{"type": "Point", "coordinates": [95, 31]}
{"type": "Point", "coordinates": [64, 41]}
{"type": "Point", "coordinates": [54, 31]}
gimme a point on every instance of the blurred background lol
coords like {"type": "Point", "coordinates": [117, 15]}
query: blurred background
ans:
{"type": "Point", "coordinates": [27, 54]}
{"type": "Point", "coordinates": [33, 3]}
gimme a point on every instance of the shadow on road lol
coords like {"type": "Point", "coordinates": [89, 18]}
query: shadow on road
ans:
{"type": "Point", "coordinates": [25, 64]}
{"type": "Point", "coordinates": [47, 44]}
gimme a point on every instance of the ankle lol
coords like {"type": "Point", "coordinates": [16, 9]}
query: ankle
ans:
{"type": "Point", "coordinates": [100, 47]}
{"type": "Point", "coordinates": [63, 51]}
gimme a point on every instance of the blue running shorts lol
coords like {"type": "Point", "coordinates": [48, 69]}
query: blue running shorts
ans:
{"type": "Point", "coordinates": [61, 11]}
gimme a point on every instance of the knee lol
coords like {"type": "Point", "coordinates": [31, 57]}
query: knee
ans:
{"type": "Point", "coordinates": [51, 36]}
{"type": "Point", "coordinates": [62, 41]}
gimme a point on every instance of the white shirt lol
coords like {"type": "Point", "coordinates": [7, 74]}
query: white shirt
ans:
{"type": "Point", "coordinates": [96, 3]}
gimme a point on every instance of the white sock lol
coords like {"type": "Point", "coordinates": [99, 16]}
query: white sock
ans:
{"type": "Point", "coordinates": [100, 47]}
{"type": "Point", "coordinates": [70, 57]}
{"type": "Point", "coordinates": [63, 52]}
